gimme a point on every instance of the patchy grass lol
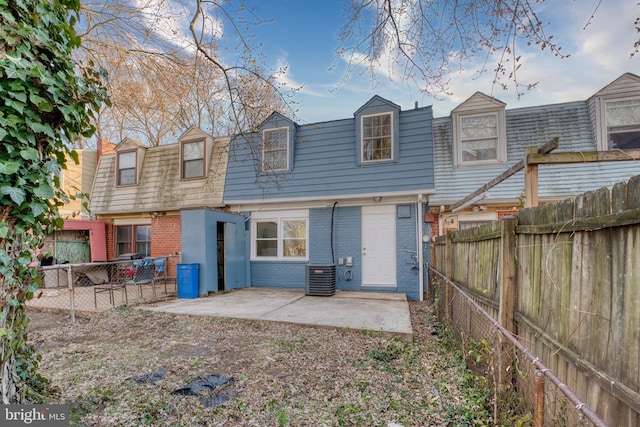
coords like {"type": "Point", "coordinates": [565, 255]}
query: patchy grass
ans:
{"type": "Point", "coordinates": [285, 374]}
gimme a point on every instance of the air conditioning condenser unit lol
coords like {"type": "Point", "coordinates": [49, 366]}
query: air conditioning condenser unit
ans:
{"type": "Point", "coordinates": [320, 280]}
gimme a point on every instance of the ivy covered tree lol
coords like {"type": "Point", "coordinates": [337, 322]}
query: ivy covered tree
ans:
{"type": "Point", "coordinates": [46, 102]}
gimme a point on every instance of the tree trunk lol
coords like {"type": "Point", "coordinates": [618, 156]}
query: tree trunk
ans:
{"type": "Point", "coordinates": [9, 389]}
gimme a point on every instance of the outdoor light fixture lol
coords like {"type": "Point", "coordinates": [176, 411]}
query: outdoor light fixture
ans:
{"type": "Point", "coordinates": [377, 199]}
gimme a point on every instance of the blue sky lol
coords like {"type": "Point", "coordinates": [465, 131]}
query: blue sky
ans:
{"type": "Point", "coordinates": [303, 36]}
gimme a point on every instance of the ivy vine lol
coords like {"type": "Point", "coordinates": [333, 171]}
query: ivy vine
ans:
{"type": "Point", "coordinates": [48, 101]}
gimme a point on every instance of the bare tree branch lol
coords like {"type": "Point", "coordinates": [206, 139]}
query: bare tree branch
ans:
{"type": "Point", "coordinates": [165, 78]}
{"type": "Point", "coordinates": [425, 41]}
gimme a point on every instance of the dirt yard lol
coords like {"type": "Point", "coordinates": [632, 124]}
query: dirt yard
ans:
{"type": "Point", "coordinates": [273, 374]}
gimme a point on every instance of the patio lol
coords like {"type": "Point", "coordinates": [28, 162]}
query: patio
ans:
{"type": "Point", "coordinates": [374, 311]}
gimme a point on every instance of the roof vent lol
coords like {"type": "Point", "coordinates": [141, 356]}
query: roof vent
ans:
{"type": "Point", "coordinates": [321, 280]}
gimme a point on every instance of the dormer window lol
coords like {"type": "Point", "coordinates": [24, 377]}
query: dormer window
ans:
{"type": "Point", "coordinates": [479, 132]}
{"type": "Point", "coordinates": [193, 159]}
{"type": "Point", "coordinates": [623, 123]}
{"type": "Point", "coordinates": [377, 132]}
{"type": "Point", "coordinates": [377, 137]}
{"type": "Point", "coordinates": [478, 138]}
{"type": "Point", "coordinates": [127, 162]}
{"type": "Point", "coordinates": [275, 149]}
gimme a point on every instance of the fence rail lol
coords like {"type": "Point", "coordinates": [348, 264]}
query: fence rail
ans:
{"type": "Point", "coordinates": [534, 393]}
{"type": "Point", "coordinates": [564, 279]}
{"type": "Point", "coordinates": [98, 286]}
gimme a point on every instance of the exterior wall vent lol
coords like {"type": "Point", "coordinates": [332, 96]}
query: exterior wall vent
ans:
{"type": "Point", "coordinates": [320, 280]}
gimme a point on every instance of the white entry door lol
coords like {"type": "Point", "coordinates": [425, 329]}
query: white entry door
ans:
{"type": "Point", "coordinates": [379, 245]}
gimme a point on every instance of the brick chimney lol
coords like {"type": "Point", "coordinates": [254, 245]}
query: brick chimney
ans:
{"type": "Point", "coordinates": [105, 147]}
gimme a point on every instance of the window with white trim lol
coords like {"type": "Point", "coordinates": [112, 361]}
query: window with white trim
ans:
{"type": "Point", "coordinates": [275, 149]}
{"type": "Point", "coordinates": [127, 162]}
{"type": "Point", "coordinates": [623, 123]}
{"type": "Point", "coordinates": [193, 164]}
{"type": "Point", "coordinates": [280, 237]}
{"type": "Point", "coordinates": [470, 220]}
{"type": "Point", "coordinates": [377, 137]}
{"type": "Point", "coordinates": [480, 139]}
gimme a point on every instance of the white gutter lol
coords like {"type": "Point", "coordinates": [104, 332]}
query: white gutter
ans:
{"type": "Point", "coordinates": [326, 197]}
{"type": "Point", "coordinates": [476, 199]}
{"type": "Point", "coordinates": [420, 229]}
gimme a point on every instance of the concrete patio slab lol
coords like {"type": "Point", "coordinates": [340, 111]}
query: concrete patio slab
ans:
{"type": "Point", "coordinates": [374, 311]}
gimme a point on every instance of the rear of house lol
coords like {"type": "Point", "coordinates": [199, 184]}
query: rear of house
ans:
{"type": "Point", "coordinates": [139, 191]}
{"type": "Point", "coordinates": [481, 139]}
{"type": "Point", "coordinates": [346, 193]}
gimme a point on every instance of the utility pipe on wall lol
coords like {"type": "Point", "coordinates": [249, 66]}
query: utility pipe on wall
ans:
{"type": "Point", "coordinates": [419, 233]}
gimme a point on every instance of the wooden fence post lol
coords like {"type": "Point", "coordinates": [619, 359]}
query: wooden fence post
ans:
{"type": "Point", "coordinates": [448, 268]}
{"type": "Point", "coordinates": [433, 262]}
{"type": "Point", "coordinates": [506, 313]}
{"type": "Point", "coordinates": [530, 179]}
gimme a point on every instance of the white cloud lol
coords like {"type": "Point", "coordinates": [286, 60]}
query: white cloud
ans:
{"type": "Point", "coordinates": [599, 54]}
{"type": "Point", "coordinates": [608, 40]}
{"type": "Point", "coordinates": [287, 79]}
{"type": "Point", "coordinates": [169, 20]}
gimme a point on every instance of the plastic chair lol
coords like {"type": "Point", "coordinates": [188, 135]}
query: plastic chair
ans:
{"type": "Point", "coordinates": [160, 271]}
{"type": "Point", "coordinates": [144, 274]}
{"type": "Point", "coordinates": [114, 284]}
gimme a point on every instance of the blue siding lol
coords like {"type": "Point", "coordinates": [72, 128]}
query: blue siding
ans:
{"type": "Point", "coordinates": [273, 274]}
{"type": "Point", "coordinates": [320, 235]}
{"type": "Point", "coordinates": [199, 242]}
{"type": "Point", "coordinates": [530, 126]}
{"type": "Point", "coordinates": [197, 248]}
{"type": "Point", "coordinates": [346, 243]}
{"type": "Point", "coordinates": [408, 279]}
{"type": "Point", "coordinates": [325, 163]}
{"type": "Point", "coordinates": [347, 238]}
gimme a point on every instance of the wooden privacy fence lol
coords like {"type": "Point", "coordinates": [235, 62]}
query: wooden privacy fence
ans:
{"type": "Point", "coordinates": [564, 279]}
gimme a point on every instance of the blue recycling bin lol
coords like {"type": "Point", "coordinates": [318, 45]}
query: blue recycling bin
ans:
{"type": "Point", "coordinates": [188, 278]}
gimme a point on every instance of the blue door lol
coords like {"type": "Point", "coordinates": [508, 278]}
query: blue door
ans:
{"type": "Point", "coordinates": [199, 239]}
{"type": "Point", "coordinates": [234, 256]}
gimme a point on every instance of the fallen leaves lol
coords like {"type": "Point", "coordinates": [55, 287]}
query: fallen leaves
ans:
{"type": "Point", "coordinates": [284, 374]}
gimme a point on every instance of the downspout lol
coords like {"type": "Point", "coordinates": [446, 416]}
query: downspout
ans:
{"type": "Point", "coordinates": [333, 209]}
{"type": "Point", "coordinates": [420, 230]}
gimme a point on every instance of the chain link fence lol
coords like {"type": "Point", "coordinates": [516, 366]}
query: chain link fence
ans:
{"type": "Point", "coordinates": [525, 392]}
{"type": "Point", "coordinates": [92, 287]}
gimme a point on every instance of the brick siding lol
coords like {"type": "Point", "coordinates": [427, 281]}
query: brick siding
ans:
{"type": "Point", "coordinates": [111, 239]}
{"type": "Point", "coordinates": [165, 239]}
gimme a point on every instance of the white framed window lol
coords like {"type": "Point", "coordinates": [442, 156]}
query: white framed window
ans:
{"type": "Point", "coordinates": [275, 149]}
{"type": "Point", "coordinates": [127, 165]}
{"type": "Point", "coordinates": [280, 236]}
{"type": "Point", "coordinates": [193, 159]}
{"type": "Point", "coordinates": [480, 139]}
{"type": "Point", "coordinates": [622, 118]}
{"type": "Point", "coordinates": [469, 220]}
{"type": "Point", "coordinates": [377, 137]}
